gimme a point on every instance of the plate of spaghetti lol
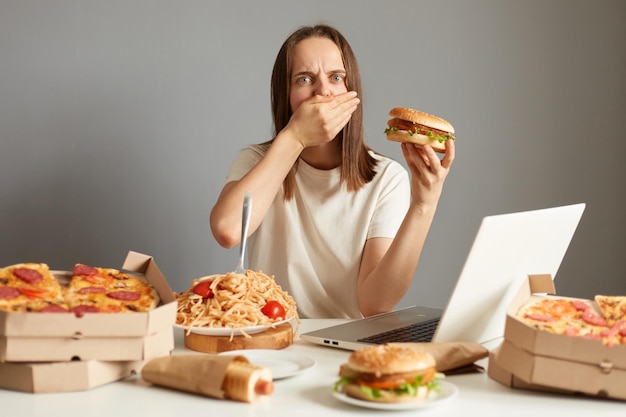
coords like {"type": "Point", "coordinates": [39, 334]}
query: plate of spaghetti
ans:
{"type": "Point", "coordinates": [228, 331]}
{"type": "Point", "coordinates": [234, 304]}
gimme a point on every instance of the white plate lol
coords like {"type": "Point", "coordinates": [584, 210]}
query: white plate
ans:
{"type": "Point", "coordinates": [448, 391]}
{"type": "Point", "coordinates": [282, 364]}
{"type": "Point", "coordinates": [227, 331]}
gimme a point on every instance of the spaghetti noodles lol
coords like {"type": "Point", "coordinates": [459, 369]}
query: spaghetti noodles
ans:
{"type": "Point", "coordinates": [236, 302]}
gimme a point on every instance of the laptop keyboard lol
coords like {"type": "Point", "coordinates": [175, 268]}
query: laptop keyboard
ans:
{"type": "Point", "coordinates": [416, 332]}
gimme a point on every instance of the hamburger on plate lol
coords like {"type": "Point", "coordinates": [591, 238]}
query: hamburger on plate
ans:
{"type": "Point", "coordinates": [414, 126]}
{"type": "Point", "coordinates": [389, 373]}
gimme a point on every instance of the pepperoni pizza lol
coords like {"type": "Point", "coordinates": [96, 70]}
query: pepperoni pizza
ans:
{"type": "Point", "coordinates": [95, 289]}
{"type": "Point", "coordinates": [31, 287]}
{"type": "Point", "coordinates": [575, 317]}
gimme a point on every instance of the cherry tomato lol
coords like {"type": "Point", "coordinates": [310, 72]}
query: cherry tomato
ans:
{"type": "Point", "coordinates": [273, 310]}
{"type": "Point", "coordinates": [203, 289]}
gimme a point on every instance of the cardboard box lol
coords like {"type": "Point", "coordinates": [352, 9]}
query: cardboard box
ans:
{"type": "Point", "coordinates": [558, 375]}
{"type": "Point", "coordinates": [64, 376]}
{"type": "Point", "coordinates": [39, 349]}
{"type": "Point", "coordinates": [534, 359]}
{"type": "Point", "coordinates": [499, 373]}
{"type": "Point", "coordinates": [94, 336]}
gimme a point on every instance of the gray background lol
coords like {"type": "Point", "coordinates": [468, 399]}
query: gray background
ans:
{"type": "Point", "coordinates": [119, 120]}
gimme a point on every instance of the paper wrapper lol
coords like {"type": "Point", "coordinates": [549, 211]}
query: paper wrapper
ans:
{"type": "Point", "coordinates": [217, 376]}
{"type": "Point", "coordinates": [453, 357]}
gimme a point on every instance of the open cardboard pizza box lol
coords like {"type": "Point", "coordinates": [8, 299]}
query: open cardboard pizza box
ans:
{"type": "Point", "coordinates": [533, 359]}
{"type": "Point", "coordinates": [94, 336]}
{"type": "Point", "coordinates": [44, 353]}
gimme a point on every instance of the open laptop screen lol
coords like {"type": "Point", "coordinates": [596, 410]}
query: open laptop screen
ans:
{"type": "Point", "coordinates": [507, 248]}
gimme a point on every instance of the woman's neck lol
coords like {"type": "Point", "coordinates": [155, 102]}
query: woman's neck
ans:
{"type": "Point", "coordinates": [326, 156]}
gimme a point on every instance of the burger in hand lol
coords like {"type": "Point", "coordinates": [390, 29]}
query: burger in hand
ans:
{"type": "Point", "coordinates": [390, 374]}
{"type": "Point", "coordinates": [414, 126]}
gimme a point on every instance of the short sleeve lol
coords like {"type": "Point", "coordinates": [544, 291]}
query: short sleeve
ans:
{"type": "Point", "coordinates": [244, 162]}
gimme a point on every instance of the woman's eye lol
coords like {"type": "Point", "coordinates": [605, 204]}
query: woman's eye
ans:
{"type": "Point", "coordinates": [338, 78]}
{"type": "Point", "coordinates": [304, 80]}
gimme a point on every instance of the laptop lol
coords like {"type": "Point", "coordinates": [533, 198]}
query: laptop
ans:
{"type": "Point", "coordinates": [507, 248]}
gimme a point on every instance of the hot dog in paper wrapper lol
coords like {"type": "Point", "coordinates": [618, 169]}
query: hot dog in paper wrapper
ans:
{"type": "Point", "coordinates": [229, 377]}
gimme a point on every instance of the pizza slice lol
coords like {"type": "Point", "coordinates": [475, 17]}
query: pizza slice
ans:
{"type": "Point", "coordinates": [612, 308]}
{"type": "Point", "coordinates": [27, 287]}
{"type": "Point", "coordinates": [33, 275]}
{"type": "Point", "coordinates": [108, 290]}
{"type": "Point", "coordinates": [108, 278]}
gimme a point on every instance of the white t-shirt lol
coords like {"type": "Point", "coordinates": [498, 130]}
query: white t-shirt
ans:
{"type": "Point", "coordinates": [313, 243]}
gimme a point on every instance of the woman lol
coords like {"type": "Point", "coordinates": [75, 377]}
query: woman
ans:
{"type": "Point", "coordinates": [339, 226]}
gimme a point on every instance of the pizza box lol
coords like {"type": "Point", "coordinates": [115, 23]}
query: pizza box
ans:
{"type": "Point", "coordinates": [49, 377]}
{"type": "Point", "coordinates": [538, 358]}
{"type": "Point", "coordinates": [497, 372]}
{"type": "Point", "coordinates": [576, 349]}
{"type": "Point", "coordinates": [35, 349]}
{"type": "Point", "coordinates": [112, 336]}
{"type": "Point", "coordinates": [528, 371]}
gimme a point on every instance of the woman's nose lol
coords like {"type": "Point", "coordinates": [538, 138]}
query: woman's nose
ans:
{"type": "Point", "coordinates": [323, 88]}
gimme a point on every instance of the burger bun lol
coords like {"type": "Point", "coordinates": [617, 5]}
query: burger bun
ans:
{"type": "Point", "coordinates": [422, 118]}
{"type": "Point", "coordinates": [390, 359]}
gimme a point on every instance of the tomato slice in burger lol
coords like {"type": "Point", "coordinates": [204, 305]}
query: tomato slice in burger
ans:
{"type": "Point", "coordinates": [383, 384]}
{"type": "Point", "coordinates": [393, 383]}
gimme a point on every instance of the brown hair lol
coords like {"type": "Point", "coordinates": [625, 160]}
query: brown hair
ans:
{"type": "Point", "coordinates": [357, 165]}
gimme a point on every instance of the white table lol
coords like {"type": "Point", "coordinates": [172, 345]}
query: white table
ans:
{"type": "Point", "coordinates": [306, 394]}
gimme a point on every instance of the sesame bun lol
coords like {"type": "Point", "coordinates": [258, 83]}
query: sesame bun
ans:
{"type": "Point", "coordinates": [421, 118]}
{"type": "Point", "coordinates": [390, 359]}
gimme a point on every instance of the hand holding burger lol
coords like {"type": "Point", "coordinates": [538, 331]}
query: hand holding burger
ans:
{"type": "Point", "coordinates": [389, 373]}
{"type": "Point", "coordinates": [414, 126]}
